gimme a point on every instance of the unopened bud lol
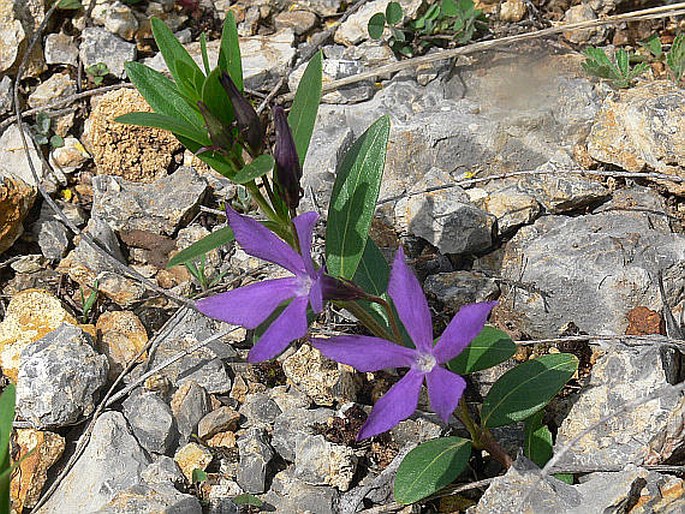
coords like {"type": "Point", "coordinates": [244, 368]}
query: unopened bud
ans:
{"type": "Point", "coordinates": [219, 134]}
{"type": "Point", "coordinates": [340, 289]}
{"type": "Point", "coordinates": [288, 169]}
{"type": "Point", "coordinates": [246, 117]}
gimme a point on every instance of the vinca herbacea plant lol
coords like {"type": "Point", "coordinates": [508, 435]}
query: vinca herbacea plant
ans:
{"type": "Point", "coordinates": [205, 107]}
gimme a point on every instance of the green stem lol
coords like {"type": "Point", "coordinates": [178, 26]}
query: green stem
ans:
{"type": "Point", "coordinates": [397, 333]}
{"type": "Point", "coordinates": [262, 202]}
{"type": "Point", "coordinates": [366, 319]}
{"type": "Point", "coordinates": [482, 437]}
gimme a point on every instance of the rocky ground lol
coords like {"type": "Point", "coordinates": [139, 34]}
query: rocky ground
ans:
{"type": "Point", "coordinates": [555, 202]}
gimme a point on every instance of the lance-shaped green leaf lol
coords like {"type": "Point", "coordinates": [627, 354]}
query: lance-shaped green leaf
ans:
{"type": "Point", "coordinates": [181, 65]}
{"type": "Point", "coordinates": [537, 444]}
{"type": "Point", "coordinates": [526, 389]}
{"type": "Point", "coordinates": [229, 51]}
{"type": "Point", "coordinates": [431, 466]}
{"type": "Point", "coordinates": [215, 98]}
{"type": "Point", "coordinates": [213, 159]}
{"type": "Point", "coordinates": [7, 402]}
{"type": "Point", "coordinates": [257, 168]}
{"type": "Point", "coordinates": [162, 94]}
{"type": "Point", "coordinates": [354, 197]}
{"type": "Point", "coordinates": [302, 115]}
{"type": "Point", "coordinates": [164, 122]}
{"type": "Point", "coordinates": [205, 245]}
{"type": "Point", "coordinates": [488, 349]}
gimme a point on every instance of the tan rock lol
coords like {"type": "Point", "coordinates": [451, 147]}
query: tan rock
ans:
{"type": "Point", "coordinates": [139, 154]}
{"type": "Point", "coordinates": [300, 22]}
{"type": "Point", "coordinates": [512, 11]}
{"type": "Point", "coordinates": [16, 198]}
{"type": "Point", "coordinates": [27, 485]}
{"type": "Point", "coordinates": [355, 29]}
{"type": "Point", "coordinates": [192, 456]}
{"type": "Point", "coordinates": [580, 13]}
{"type": "Point", "coordinates": [223, 440]}
{"type": "Point", "coordinates": [219, 420]}
{"type": "Point", "coordinates": [121, 336]}
{"type": "Point", "coordinates": [11, 35]}
{"type": "Point", "coordinates": [57, 86]}
{"type": "Point", "coordinates": [31, 314]}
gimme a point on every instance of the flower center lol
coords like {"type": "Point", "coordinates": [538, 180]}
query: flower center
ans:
{"type": "Point", "coordinates": [425, 362]}
{"type": "Point", "coordinates": [305, 285]}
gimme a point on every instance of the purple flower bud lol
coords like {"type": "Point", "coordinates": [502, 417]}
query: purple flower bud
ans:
{"type": "Point", "coordinates": [288, 170]}
{"type": "Point", "coordinates": [219, 134]}
{"type": "Point", "coordinates": [339, 289]}
{"type": "Point", "coordinates": [248, 121]}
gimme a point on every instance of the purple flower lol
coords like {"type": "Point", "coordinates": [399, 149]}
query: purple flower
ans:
{"type": "Point", "coordinates": [288, 169]}
{"type": "Point", "coordinates": [425, 362]}
{"type": "Point", "coordinates": [251, 305]}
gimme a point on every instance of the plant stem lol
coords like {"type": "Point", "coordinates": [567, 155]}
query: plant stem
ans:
{"type": "Point", "coordinates": [481, 436]}
{"type": "Point", "coordinates": [397, 333]}
{"type": "Point", "coordinates": [366, 319]}
{"type": "Point", "coordinates": [262, 202]}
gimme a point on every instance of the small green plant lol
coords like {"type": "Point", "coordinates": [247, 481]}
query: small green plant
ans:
{"type": "Point", "coordinates": [197, 271]}
{"type": "Point", "coordinates": [42, 131]}
{"type": "Point", "coordinates": [97, 72]}
{"type": "Point", "coordinates": [88, 303]}
{"type": "Point", "coordinates": [675, 58]}
{"type": "Point", "coordinates": [618, 72]}
{"type": "Point", "coordinates": [445, 21]}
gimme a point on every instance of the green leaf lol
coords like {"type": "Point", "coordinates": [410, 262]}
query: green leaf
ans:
{"type": "Point", "coordinates": [429, 467]}
{"type": "Point", "coordinates": [69, 5]}
{"type": "Point", "coordinates": [623, 62]}
{"type": "Point", "coordinates": [257, 168]}
{"type": "Point", "coordinates": [175, 55]}
{"type": "Point", "coordinates": [398, 35]}
{"type": "Point", "coordinates": [229, 51]}
{"type": "Point", "coordinates": [198, 476]}
{"type": "Point", "coordinates": [302, 115]}
{"type": "Point", "coordinates": [524, 390]}
{"type": "Point", "coordinates": [247, 499]}
{"type": "Point", "coordinates": [164, 122]}
{"type": "Point", "coordinates": [354, 197]}
{"type": "Point", "coordinates": [537, 440]}
{"type": "Point", "coordinates": [653, 46]}
{"type": "Point", "coordinates": [214, 160]}
{"type": "Point", "coordinates": [490, 347]}
{"type": "Point", "coordinates": [216, 99]}
{"type": "Point", "coordinates": [7, 401]}
{"type": "Point", "coordinates": [162, 94]}
{"type": "Point", "coordinates": [376, 25]}
{"type": "Point", "coordinates": [394, 13]}
{"type": "Point", "coordinates": [373, 272]}
{"type": "Point", "coordinates": [208, 243]}
{"type": "Point", "coordinates": [567, 478]}
{"type": "Point", "coordinates": [449, 8]}
{"type": "Point", "coordinates": [205, 56]}
{"type": "Point", "coordinates": [676, 57]}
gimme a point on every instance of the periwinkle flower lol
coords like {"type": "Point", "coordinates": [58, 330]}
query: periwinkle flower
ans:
{"type": "Point", "coordinates": [288, 169]}
{"type": "Point", "coordinates": [425, 361]}
{"type": "Point", "coordinates": [251, 305]}
{"type": "Point", "coordinates": [246, 117]}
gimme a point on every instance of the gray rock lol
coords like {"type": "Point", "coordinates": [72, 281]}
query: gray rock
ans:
{"type": "Point", "coordinates": [56, 86]}
{"type": "Point", "coordinates": [59, 378]}
{"type": "Point", "coordinates": [222, 506]}
{"type": "Point", "coordinates": [593, 269]}
{"type": "Point", "coordinates": [6, 101]}
{"type": "Point", "coordinates": [320, 462]}
{"type": "Point", "coordinates": [160, 207]}
{"type": "Point", "coordinates": [101, 46]}
{"type": "Point", "coordinates": [159, 498]}
{"type": "Point", "coordinates": [445, 218]}
{"type": "Point", "coordinates": [525, 489]}
{"type": "Point", "coordinates": [289, 494]}
{"type": "Point", "coordinates": [511, 206]}
{"type": "Point", "coordinates": [577, 14]}
{"type": "Point", "coordinates": [457, 288]}
{"type": "Point", "coordinates": [152, 422]}
{"type": "Point", "coordinates": [294, 425]}
{"type": "Point", "coordinates": [322, 7]}
{"type": "Point", "coordinates": [255, 456]}
{"type": "Point", "coordinates": [118, 18]}
{"type": "Point", "coordinates": [219, 420]}
{"type": "Point", "coordinates": [416, 430]}
{"type": "Point", "coordinates": [163, 470]}
{"type": "Point", "coordinates": [12, 36]}
{"type": "Point", "coordinates": [190, 404]}
{"type": "Point", "coordinates": [259, 408]}
{"type": "Point", "coordinates": [646, 434]}
{"type": "Point", "coordinates": [638, 128]}
{"type": "Point", "coordinates": [354, 30]}
{"type": "Point", "coordinates": [85, 265]}
{"type": "Point", "coordinates": [60, 49]}
{"type": "Point", "coordinates": [204, 366]}
{"type": "Point", "coordinates": [112, 462]}
{"type": "Point", "coordinates": [53, 239]}
{"type": "Point", "coordinates": [13, 159]}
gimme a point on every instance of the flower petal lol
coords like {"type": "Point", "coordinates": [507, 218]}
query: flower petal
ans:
{"type": "Point", "coordinates": [316, 293]}
{"type": "Point", "coordinates": [290, 325]}
{"type": "Point", "coordinates": [259, 241]}
{"type": "Point", "coordinates": [365, 353]}
{"type": "Point", "coordinates": [444, 390]}
{"type": "Point", "coordinates": [249, 306]}
{"type": "Point", "coordinates": [396, 405]}
{"type": "Point", "coordinates": [411, 304]}
{"type": "Point", "coordinates": [304, 226]}
{"type": "Point", "coordinates": [463, 328]}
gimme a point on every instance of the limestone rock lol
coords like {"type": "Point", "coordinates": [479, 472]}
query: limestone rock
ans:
{"type": "Point", "coordinates": [219, 420]}
{"type": "Point", "coordinates": [295, 425]}
{"type": "Point", "coordinates": [6, 100]}
{"type": "Point", "coordinates": [320, 462]}
{"type": "Point", "coordinates": [46, 449]}
{"type": "Point", "coordinates": [579, 13]}
{"type": "Point", "coordinates": [58, 85]}
{"type": "Point", "coordinates": [321, 379]}
{"type": "Point", "coordinates": [13, 159]}
{"type": "Point", "coordinates": [255, 456]}
{"type": "Point", "coordinates": [648, 434]}
{"type": "Point", "coordinates": [101, 46]}
{"type": "Point", "coordinates": [139, 154]}
{"type": "Point", "coordinates": [111, 462]}
{"type": "Point", "coordinates": [16, 198]}
{"type": "Point", "coordinates": [190, 404]}
{"type": "Point", "coordinates": [192, 456]}
{"type": "Point", "coordinates": [30, 316]}
{"type": "Point", "coordinates": [151, 421]}
{"type": "Point", "coordinates": [458, 288]}
{"type": "Point", "coordinates": [121, 336]}
{"type": "Point", "coordinates": [71, 156]}
{"type": "Point", "coordinates": [159, 207]}
{"type": "Point", "coordinates": [259, 408]}
{"type": "Point", "coordinates": [60, 49]}
{"type": "Point", "coordinates": [11, 36]}
{"type": "Point", "coordinates": [512, 11]}
{"type": "Point", "coordinates": [289, 494]}
{"type": "Point", "coordinates": [159, 498]}
{"type": "Point", "coordinates": [511, 207]}
{"type": "Point", "coordinates": [300, 22]}
{"type": "Point", "coordinates": [118, 18]}
{"type": "Point", "coordinates": [354, 29]}
{"type": "Point", "coordinates": [639, 128]}
{"type": "Point", "coordinates": [59, 378]}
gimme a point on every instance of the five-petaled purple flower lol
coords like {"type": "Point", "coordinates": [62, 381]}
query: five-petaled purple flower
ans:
{"type": "Point", "coordinates": [251, 305]}
{"type": "Point", "coordinates": [425, 362]}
